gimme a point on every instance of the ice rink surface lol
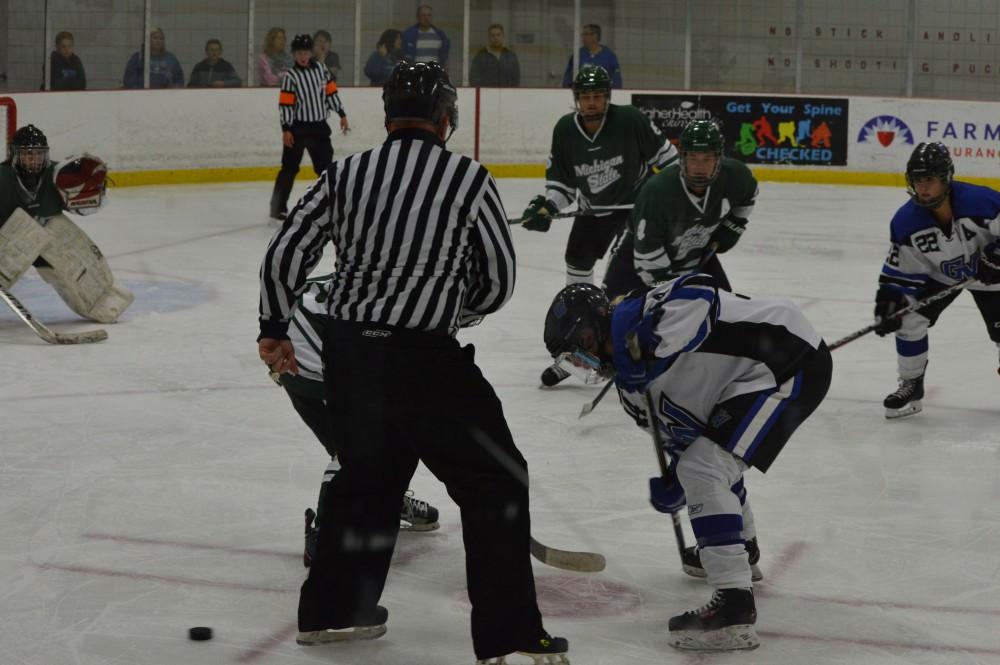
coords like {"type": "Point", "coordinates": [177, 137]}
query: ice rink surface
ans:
{"type": "Point", "coordinates": [156, 481]}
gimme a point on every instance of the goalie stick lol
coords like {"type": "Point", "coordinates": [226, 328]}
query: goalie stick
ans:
{"type": "Point", "coordinates": [654, 432]}
{"type": "Point", "coordinates": [44, 331]}
{"type": "Point", "coordinates": [580, 562]}
{"type": "Point", "coordinates": [940, 295]}
{"type": "Point", "coordinates": [582, 212]}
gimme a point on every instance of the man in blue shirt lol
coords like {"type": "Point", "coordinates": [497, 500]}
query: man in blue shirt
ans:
{"type": "Point", "coordinates": [594, 53]}
{"type": "Point", "coordinates": [424, 41]}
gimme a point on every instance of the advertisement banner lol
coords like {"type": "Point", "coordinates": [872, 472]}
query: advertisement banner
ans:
{"type": "Point", "coordinates": [796, 131]}
{"type": "Point", "coordinates": [885, 132]}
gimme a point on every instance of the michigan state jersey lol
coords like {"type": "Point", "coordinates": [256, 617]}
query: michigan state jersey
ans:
{"type": "Point", "coordinates": [306, 332]}
{"type": "Point", "coordinates": [609, 167]}
{"type": "Point", "coordinates": [672, 227]}
{"type": "Point", "coordinates": [922, 249]}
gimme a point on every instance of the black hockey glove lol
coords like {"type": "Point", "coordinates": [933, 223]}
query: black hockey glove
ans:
{"type": "Point", "coordinates": [537, 215]}
{"type": "Point", "coordinates": [666, 494]}
{"type": "Point", "coordinates": [728, 233]}
{"type": "Point", "coordinates": [988, 271]}
{"type": "Point", "coordinates": [888, 302]}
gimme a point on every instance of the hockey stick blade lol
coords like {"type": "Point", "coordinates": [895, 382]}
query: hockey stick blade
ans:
{"type": "Point", "coordinates": [46, 333]}
{"type": "Point", "coordinates": [591, 405]}
{"type": "Point", "coordinates": [580, 562]}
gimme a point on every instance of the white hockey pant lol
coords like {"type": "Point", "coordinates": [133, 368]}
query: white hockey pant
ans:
{"type": "Point", "coordinates": [22, 240]}
{"type": "Point", "coordinates": [912, 346]}
{"type": "Point", "coordinates": [721, 520]}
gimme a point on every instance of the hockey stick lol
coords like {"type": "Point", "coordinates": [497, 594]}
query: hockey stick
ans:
{"type": "Point", "coordinates": [580, 562]}
{"type": "Point", "coordinates": [582, 212]}
{"type": "Point", "coordinates": [589, 406]}
{"type": "Point", "coordinates": [654, 431]}
{"type": "Point", "coordinates": [44, 331]}
{"type": "Point", "coordinates": [940, 295]}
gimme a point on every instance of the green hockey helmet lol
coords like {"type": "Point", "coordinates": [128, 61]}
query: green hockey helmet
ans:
{"type": "Point", "coordinates": [592, 78]}
{"type": "Point", "coordinates": [700, 136]}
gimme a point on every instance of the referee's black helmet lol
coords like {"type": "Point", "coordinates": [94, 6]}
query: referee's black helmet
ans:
{"type": "Point", "coordinates": [420, 91]}
{"type": "Point", "coordinates": [302, 42]}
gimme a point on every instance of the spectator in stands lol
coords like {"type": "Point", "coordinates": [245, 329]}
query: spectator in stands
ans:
{"type": "Point", "coordinates": [423, 42]}
{"type": "Point", "coordinates": [213, 71]}
{"type": "Point", "coordinates": [164, 69]}
{"type": "Point", "coordinates": [495, 65]}
{"type": "Point", "coordinates": [66, 68]}
{"type": "Point", "coordinates": [594, 53]}
{"type": "Point", "coordinates": [323, 54]}
{"type": "Point", "coordinates": [274, 59]}
{"type": "Point", "coordinates": [388, 51]}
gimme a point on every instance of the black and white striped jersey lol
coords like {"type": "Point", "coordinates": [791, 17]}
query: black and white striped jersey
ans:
{"type": "Point", "coordinates": [421, 237]}
{"type": "Point", "coordinates": [308, 94]}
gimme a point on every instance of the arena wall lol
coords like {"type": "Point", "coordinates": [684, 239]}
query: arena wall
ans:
{"type": "Point", "coordinates": [190, 136]}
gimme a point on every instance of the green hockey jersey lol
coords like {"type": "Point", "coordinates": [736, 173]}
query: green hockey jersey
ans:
{"type": "Point", "coordinates": [608, 168]}
{"type": "Point", "coordinates": [46, 203]}
{"type": "Point", "coordinates": [672, 227]}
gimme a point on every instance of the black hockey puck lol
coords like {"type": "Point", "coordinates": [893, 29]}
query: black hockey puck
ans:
{"type": "Point", "coordinates": [200, 633]}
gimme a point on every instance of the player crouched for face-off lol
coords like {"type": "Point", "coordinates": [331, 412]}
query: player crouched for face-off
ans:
{"type": "Point", "coordinates": [948, 233]}
{"type": "Point", "coordinates": [731, 378]}
{"type": "Point", "coordinates": [34, 192]}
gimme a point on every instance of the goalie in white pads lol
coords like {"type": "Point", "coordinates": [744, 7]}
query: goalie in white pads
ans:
{"type": "Point", "coordinates": [34, 193]}
{"type": "Point", "coordinates": [731, 378]}
{"type": "Point", "coordinates": [308, 395]}
{"type": "Point", "coordinates": [947, 233]}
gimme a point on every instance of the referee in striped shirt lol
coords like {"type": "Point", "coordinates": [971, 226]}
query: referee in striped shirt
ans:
{"type": "Point", "coordinates": [423, 249]}
{"type": "Point", "coordinates": [308, 94]}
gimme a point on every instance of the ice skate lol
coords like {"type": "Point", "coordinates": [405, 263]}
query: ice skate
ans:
{"type": "Point", "coordinates": [691, 561]}
{"type": "Point", "coordinates": [371, 630]}
{"type": "Point", "coordinates": [554, 374]}
{"type": "Point", "coordinates": [906, 400]}
{"type": "Point", "coordinates": [547, 650]}
{"type": "Point", "coordinates": [726, 623]}
{"type": "Point", "coordinates": [417, 515]}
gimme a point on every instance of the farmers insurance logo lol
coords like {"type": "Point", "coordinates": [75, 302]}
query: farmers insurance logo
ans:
{"type": "Point", "coordinates": [886, 130]}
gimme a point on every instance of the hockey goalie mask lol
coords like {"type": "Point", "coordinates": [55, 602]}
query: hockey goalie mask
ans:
{"type": "Point", "coordinates": [700, 153]}
{"type": "Point", "coordinates": [578, 326]}
{"type": "Point", "coordinates": [929, 162]}
{"type": "Point", "coordinates": [29, 154]}
{"type": "Point", "coordinates": [592, 93]}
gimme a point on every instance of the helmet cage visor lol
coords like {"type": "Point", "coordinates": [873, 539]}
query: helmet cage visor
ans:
{"type": "Point", "coordinates": [700, 180]}
{"type": "Point", "coordinates": [30, 159]}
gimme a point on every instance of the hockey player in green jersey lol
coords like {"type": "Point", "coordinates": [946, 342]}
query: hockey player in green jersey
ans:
{"type": "Point", "coordinates": [601, 155]}
{"type": "Point", "coordinates": [685, 215]}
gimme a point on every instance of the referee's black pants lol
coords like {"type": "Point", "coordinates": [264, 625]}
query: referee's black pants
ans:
{"type": "Point", "coordinates": [307, 136]}
{"type": "Point", "coordinates": [396, 396]}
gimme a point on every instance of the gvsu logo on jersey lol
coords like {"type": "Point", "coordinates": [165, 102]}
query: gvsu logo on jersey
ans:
{"type": "Point", "coordinates": [886, 130]}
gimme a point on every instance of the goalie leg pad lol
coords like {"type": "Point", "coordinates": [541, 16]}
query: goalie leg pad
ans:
{"type": "Point", "coordinates": [22, 240]}
{"type": "Point", "coordinates": [80, 274]}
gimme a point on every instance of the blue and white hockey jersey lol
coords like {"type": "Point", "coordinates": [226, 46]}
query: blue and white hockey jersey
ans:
{"type": "Point", "coordinates": [922, 249]}
{"type": "Point", "coordinates": [693, 346]}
